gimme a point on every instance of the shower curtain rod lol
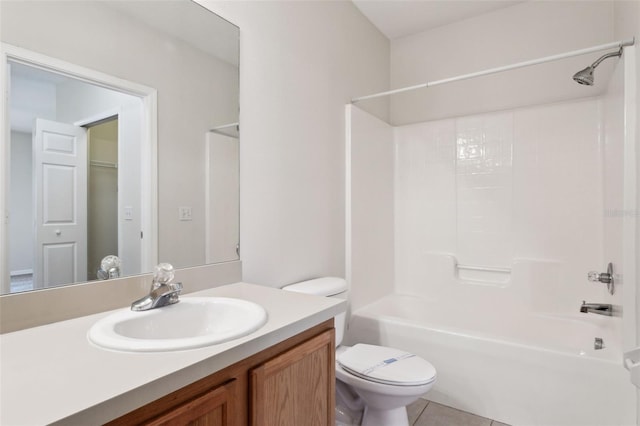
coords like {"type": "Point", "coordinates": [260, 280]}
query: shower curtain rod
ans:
{"type": "Point", "coordinates": [618, 44]}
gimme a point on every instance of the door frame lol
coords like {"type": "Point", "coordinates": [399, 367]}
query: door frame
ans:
{"type": "Point", "coordinates": [149, 144]}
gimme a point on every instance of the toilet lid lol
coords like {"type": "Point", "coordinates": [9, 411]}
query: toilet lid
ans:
{"type": "Point", "coordinates": [386, 365]}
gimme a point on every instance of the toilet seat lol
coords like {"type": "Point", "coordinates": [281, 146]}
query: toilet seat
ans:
{"type": "Point", "coordinates": [379, 388]}
{"type": "Point", "coordinates": [384, 365]}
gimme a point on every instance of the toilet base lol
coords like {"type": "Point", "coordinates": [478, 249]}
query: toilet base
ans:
{"type": "Point", "coordinates": [394, 416]}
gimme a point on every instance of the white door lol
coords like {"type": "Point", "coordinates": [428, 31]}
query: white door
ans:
{"type": "Point", "coordinates": [60, 203]}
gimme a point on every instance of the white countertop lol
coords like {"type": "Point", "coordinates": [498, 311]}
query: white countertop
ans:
{"type": "Point", "coordinates": [52, 373]}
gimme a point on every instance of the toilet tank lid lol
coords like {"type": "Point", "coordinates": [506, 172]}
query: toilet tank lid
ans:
{"type": "Point", "coordinates": [326, 286]}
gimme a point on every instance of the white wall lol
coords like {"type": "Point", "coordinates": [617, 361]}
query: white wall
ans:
{"type": "Point", "coordinates": [77, 100]}
{"type": "Point", "coordinates": [518, 33]}
{"type": "Point", "coordinates": [21, 201]}
{"type": "Point", "coordinates": [301, 62]}
{"type": "Point", "coordinates": [370, 208]}
{"type": "Point", "coordinates": [29, 97]}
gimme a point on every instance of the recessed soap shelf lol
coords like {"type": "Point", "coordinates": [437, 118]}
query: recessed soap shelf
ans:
{"type": "Point", "coordinates": [487, 275]}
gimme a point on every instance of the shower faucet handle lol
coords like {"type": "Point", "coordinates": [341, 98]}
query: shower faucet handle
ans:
{"type": "Point", "coordinates": [596, 277]}
{"type": "Point", "coordinates": [604, 277]}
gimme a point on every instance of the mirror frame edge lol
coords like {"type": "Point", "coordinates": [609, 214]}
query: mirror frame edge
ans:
{"type": "Point", "coordinates": [5, 282]}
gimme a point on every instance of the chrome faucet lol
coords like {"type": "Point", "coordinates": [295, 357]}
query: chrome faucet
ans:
{"type": "Point", "coordinates": [163, 292]}
{"type": "Point", "coordinates": [596, 308]}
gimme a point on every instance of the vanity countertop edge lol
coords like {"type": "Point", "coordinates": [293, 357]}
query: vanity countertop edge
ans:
{"type": "Point", "coordinates": [53, 374]}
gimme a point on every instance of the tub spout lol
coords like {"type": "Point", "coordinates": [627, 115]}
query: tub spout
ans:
{"type": "Point", "coordinates": [596, 308]}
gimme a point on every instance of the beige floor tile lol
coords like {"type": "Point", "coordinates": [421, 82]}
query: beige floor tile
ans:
{"type": "Point", "coordinates": [440, 415]}
{"type": "Point", "coordinates": [495, 423]}
{"type": "Point", "coordinates": [414, 410]}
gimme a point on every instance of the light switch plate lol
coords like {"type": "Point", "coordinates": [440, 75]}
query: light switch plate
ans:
{"type": "Point", "coordinates": [128, 213]}
{"type": "Point", "coordinates": [184, 213]}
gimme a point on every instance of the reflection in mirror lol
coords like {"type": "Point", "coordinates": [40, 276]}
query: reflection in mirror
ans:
{"type": "Point", "coordinates": [73, 146]}
{"type": "Point", "coordinates": [223, 189]}
{"type": "Point", "coordinates": [92, 168]}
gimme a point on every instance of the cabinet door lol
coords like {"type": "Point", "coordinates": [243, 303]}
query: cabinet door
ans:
{"type": "Point", "coordinates": [296, 387]}
{"type": "Point", "coordinates": [213, 408]}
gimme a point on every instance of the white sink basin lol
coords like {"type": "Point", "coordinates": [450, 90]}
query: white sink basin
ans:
{"type": "Point", "coordinates": [193, 322]}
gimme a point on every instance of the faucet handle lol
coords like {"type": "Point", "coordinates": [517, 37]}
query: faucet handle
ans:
{"type": "Point", "coordinates": [596, 277]}
{"type": "Point", "coordinates": [109, 267]}
{"type": "Point", "coordinates": [163, 273]}
{"type": "Point", "coordinates": [593, 276]}
{"type": "Point", "coordinates": [604, 277]}
{"type": "Point", "coordinates": [110, 262]}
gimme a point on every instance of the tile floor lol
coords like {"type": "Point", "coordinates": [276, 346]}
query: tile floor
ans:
{"type": "Point", "coordinates": [428, 413]}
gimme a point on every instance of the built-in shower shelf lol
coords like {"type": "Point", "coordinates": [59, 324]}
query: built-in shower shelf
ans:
{"type": "Point", "coordinates": [489, 275]}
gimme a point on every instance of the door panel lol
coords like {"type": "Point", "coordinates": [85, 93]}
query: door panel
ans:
{"type": "Point", "coordinates": [58, 190]}
{"type": "Point", "coordinates": [214, 408]}
{"type": "Point", "coordinates": [56, 266]}
{"type": "Point", "coordinates": [60, 200]}
{"type": "Point", "coordinates": [296, 387]}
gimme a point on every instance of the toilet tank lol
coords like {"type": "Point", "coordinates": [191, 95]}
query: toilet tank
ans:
{"type": "Point", "coordinates": [327, 287]}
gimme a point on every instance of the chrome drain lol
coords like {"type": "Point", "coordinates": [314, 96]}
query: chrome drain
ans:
{"type": "Point", "coordinates": [598, 343]}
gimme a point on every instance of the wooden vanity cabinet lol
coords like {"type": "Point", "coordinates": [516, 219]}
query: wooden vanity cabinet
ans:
{"type": "Point", "coordinates": [290, 383]}
{"type": "Point", "coordinates": [213, 408]}
{"type": "Point", "coordinates": [296, 387]}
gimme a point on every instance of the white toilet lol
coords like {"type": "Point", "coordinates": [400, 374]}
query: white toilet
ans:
{"type": "Point", "coordinates": [374, 383]}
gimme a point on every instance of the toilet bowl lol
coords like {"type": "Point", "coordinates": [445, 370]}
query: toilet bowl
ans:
{"type": "Point", "coordinates": [385, 401]}
{"type": "Point", "coordinates": [374, 384]}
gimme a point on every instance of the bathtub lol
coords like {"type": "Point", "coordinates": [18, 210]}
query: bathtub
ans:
{"type": "Point", "coordinates": [510, 365]}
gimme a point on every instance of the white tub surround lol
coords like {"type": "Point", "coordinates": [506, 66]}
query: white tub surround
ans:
{"type": "Point", "coordinates": [53, 374]}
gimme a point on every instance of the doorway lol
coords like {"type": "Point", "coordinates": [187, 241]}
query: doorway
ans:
{"type": "Point", "coordinates": [102, 194]}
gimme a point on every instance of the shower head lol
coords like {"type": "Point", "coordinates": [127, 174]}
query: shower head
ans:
{"type": "Point", "coordinates": [585, 76]}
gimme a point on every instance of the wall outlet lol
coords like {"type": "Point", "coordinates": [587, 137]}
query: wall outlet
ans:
{"type": "Point", "coordinates": [184, 213]}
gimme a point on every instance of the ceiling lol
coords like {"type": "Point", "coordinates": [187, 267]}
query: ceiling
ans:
{"type": "Point", "coordinates": [400, 18]}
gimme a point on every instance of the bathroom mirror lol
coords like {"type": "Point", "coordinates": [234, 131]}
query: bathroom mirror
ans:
{"type": "Point", "coordinates": [143, 95]}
